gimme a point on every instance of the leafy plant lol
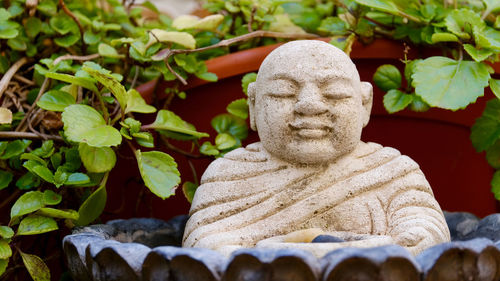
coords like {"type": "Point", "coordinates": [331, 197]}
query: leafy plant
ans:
{"type": "Point", "coordinates": [68, 103]}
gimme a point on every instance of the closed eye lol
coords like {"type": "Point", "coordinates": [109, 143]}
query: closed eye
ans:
{"type": "Point", "coordinates": [282, 88]}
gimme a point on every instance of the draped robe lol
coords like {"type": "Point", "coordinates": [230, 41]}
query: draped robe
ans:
{"type": "Point", "coordinates": [249, 196]}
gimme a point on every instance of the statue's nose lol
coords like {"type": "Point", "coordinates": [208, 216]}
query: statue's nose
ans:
{"type": "Point", "coordinates": [310, 101]}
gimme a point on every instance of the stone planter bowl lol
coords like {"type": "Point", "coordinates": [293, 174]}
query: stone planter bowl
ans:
{"type": "Point", "coordinates": [148, 249]}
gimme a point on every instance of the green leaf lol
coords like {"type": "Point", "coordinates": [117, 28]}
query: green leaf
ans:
{"type": "Point", "coordinates": [246, 80]}
{"type": "Point", "coordinates": [395, 100]}
{"type": "Point", "coordinates": [4, 64]}
{"type": "Point", "coordinates": [334, 26]}
{"type": "Point", "coordinates": [6, 232]}
{"type": "Point", "coordinates": [493, 155]}
{"type": "Point", "coordinates": [82, 123]}
{"type": "Point", "coordinates": [85, 82]}
{"type": "Point", "coordinates": [182, 38]}
{"type": "Point", "coordinates": [387, 77]}
{"type": "Point", "coordinates": [495, 87]}
{"type": "Point", "coordinates": [43, 172]}
{"type": "Point", "coordinates": [144, 139]}
{"type": "Point", "coordinates": [386, 6]}
{"type": "Point", "coordinates": [193, 22]}
{"type": "Point", "coordinates": [67, 41]}
{"type": "Point", "coordinates": [8, 30]}
{"type": "Point", "coordinates": [14, 148]}
{"type": "Point", "coordinates": [33, 26]}
{"type": "Point", "coordinates": [418, 104]}
{"type": "Point", "coordinates": [189, 188]}
{"type": "Point", "coordinates": [90, 38]}
{"type": "Point", "coordinates": [487, 38]}
{"type": "Point", "coordinates": [33, 157]}
{"type": "Point", "coordinates": [462, 22]}
{"type": "Point", "coordinates": [77, 179]}
{"type": "Point", "coordinates": [492, 5]}
{"type": "Point", "coordinates": [5, 250]}
{"type": "Point", "coordinates": [159, 172]}
{"type": "Point", "coordinates": [111, 83]}
{"type": "Point", "coordinates": [106, 50]}
{"type": "Point", "coordinates": [51, 198]}
{"type": "Point", "coordinates": [282, 23]}
{"type": "Point", "coordinates": [3, 265]}
{"type": "Point", "coordinates": [450, 84]}
{"type": "Point", "coordinates": [4, 14]}
{"type": "Point", "coordinates": [443, 37]}
{"type": "Point", "coordinates": [5, 179]}
{"type": "Point", "coordinates": [17, 44]}
{"type": "Point", "coordinates": [63, 24]}
{"type": "Point", "coordinates": [208, 149]}
{"type": "Point", "coordinates": [478, 55]}
{"type": "Point", "coordinates": [28, 181]}
{"type": "Point", "coordinates": [34, 224]}
{"type": "Point", "coordinates": [238, 108]}
{"type": "Point", "coordinates": [207, 76]}
{"type": "Point", "coordinates": [36, 267]}
{"type": "Point", "coordinates": [495, 185]}
{"type": "Point", "coordinates": [227, 123]}
{"type": "Point", "coordinates": [486, 131]}
{"type": "Point", "coordinates": [46, 150]}
{"type": "Point", "coordinates": [58, 214]}
{"type": "Point", "coordinates": [92, 208]}
{"type": "Point", "coordinates": [224, 141]}
{"type": "Point", "coordinates": [55, 100]}
{"type": "Point", "coordinates": [168, 121]}
{"type": "Point", "coordinates": [28, 203]}
{"type": "Point", "coordinates": [97, 159]}
{"type": "Point", "coordinates": [135, 103]}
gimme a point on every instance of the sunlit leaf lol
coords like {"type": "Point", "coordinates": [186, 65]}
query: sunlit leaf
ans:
{"type": "Point", "coordinates": [167, 121]}
{"type": "Point", "coordinates": [77, 179]}
{"type": "Point", "coordinates": [55, 100]}
{"type": "Point", "coordinates": [5, 250]}
{"type": "Point", "coordinates": [109, 82]}
{"type": "Point", "coordinates": [443, 37]}
{"type": "Point", "coordinates": [478, 54]}
{"type": "Point", "coordinates": [395, 100]}
{"type": "Point", "coordinates": [159, 172]}
{"type": "Point", "coordinates": [208, 149]}
{"type": "Point", "coordinates": [29, 202]}
{"type": "Point", "coordinates": [97, 159]}
{"type": "Point", "coordinates": [82, 123]}
{"type": "Point", "coordinates": [106, 50]}
{"type": "Point", "coordinates": [238, 108]}
{"type": "Point", "coordinates": [462, 22]}
{"type": "Point", "coordinates": [246, 80]}
{"type": "Point", "coordinates": [135, 103]}
{"type": "Point", "coordinates": [85, 82]}
{"type": "Point", "coordinates": [189, 188]}
{"type": "Point", "coordinates": [450, 84]}
{"type": "Point", "coordinates": [227, 123]}
{"type": "Point", "coordinates": [182, 38]}
{"type": "Point", "coordinates": [283, 24]}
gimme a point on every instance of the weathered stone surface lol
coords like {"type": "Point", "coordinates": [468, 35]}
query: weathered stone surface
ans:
{"type": "Point", "coordinates": [462, 225]}
{"type": "Point", "coordinates": [311, 170]}
{"type": "Point", "coordinates": [272, 265]}
{"type": "Point", "coordinates": [388, 263]}
{"type": "Point", "coordinates": [74, 248]}
{"type": "Point", "coordinates": [111, 260]}
{"type": "Point", "coordinates": [476, 259]}
{"type": "Point", "coordinates": [183, 264]}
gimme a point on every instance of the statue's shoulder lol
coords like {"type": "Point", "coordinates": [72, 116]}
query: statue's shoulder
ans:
{"type": "Point", "coordinates": [239, 163]}
{"type": "Point", "coordinates": [371, 149]}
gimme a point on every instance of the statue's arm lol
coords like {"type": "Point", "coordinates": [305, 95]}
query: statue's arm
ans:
{"type": "Point", "coordinates": [416, 221]}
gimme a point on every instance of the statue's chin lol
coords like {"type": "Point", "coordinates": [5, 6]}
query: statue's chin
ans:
{"type": "Point", "coordinates": [309, 153]}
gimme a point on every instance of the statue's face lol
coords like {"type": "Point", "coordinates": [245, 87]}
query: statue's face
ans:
{"type": "Point", "coordinates": [308, 106]}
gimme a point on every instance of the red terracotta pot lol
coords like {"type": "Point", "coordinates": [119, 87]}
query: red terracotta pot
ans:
{"type": "Point", "coordinates": [438, 139]}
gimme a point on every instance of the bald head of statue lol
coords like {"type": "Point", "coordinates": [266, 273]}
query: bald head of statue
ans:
{"type": "Point", "coordinates": [308, 104]}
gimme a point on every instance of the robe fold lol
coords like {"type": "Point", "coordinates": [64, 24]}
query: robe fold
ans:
{"type": "Point", "coordinates": [249, 196]}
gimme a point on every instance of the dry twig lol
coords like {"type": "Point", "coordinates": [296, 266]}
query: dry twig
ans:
{"type": "Point", "coordinates": [10, 73]}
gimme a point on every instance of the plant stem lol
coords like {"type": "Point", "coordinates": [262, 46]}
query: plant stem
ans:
{"type": "Point", "coordinates": [72, 57]}
{"type": "Point", "coordinates": [10, 73]}
{"type": "Point", "coordinates": [80, 27]}
{"type": "Point", "coordinates": [32, 107]}
{"type": "Point", "coordinates": [405, 15]}
{"type": "Point", "coordinates": [485, 13]}
{"type": "Point", "coordinates": [227, 42]}
{"type": "Point", "coordinates": [26, 135]}
{"type": "Point", "coordinates": [104, 109]}
{"type": "Point", "coordinates": [178, 150]}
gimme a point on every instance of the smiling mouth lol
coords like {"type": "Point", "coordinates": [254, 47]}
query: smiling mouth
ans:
{"type": "Point", "coordinates": [310, 130]}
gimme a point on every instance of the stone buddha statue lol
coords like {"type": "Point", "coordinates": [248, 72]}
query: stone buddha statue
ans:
{"type": "Point", "coordinates": [311, 174]}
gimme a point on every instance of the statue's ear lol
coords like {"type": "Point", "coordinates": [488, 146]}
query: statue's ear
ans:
{"type": "Point", "coordinates": [251, 91]}
{"type": "Point", "coordinates": [367, 100]}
